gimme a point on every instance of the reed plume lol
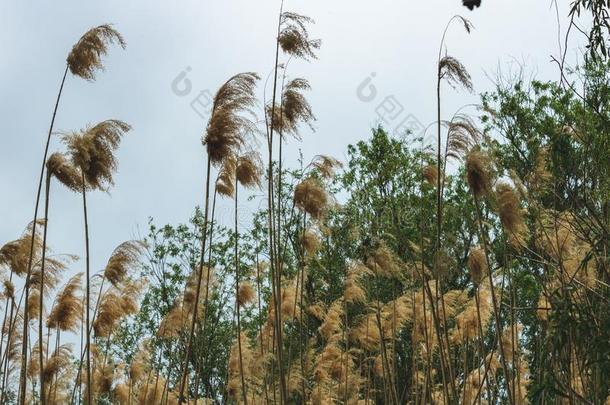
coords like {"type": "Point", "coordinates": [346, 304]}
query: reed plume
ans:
{"type": "Point", "coordinates": [229, 122]}
{"type": "Point", "coordinates": [311, 197]}
{"type": "Point", "coordinates": [85, 58]}
{"type": "Point", "coordinates": [14, 255]}
{"type": "Point", "coordinates": [92, 151]}
{"type": "Point", "coordinates": [326, 166]}
{"type": "Point", "coordinates": [59, 167]}
{"type": "Point", "coordinates": [383, 262]}
{"type": "Point", "coordinates": [354, 290]}
{"type": "Point", "coordinates": [58, 365]}
{"type": "Point", "coordinates": [477, 265]}
{"type": "Point", "coordinates": [248, 170]}
{"type": "Point", "coordinates": [294, 37]}
{"type": "Point", "coordinates": [225, 183]}
{"type": "Point", "coordinates": [122, 259]}
{"type": "Point", "coordinates": [478, 172]}
{"type": "Point", "coordinates": [246, 294]}
{"type": "Point", "coordinates": [462, 137]}
{"type": "Point", "coordinates": [511, 215]}
{"type": "Point", "coordinates": [294, 109]}
{"type": "Point", "coordinates": [310, 241]}
{"type": "Point", "coordinates": [452, 70]}
{"type": "Point", "coordinates": [430, 173]}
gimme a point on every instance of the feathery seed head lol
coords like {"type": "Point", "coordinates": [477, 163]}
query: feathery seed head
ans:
{"type": "Point", "coordinates": [68, 175]}
{"type": "Point", "coordinates": [85, 58]}
{"type": "Point", "coordinates": [92, 151]}
{"type": "Point", "coordinates": [246, 294]}
{"type": "Point", "coordinates": [510, 212]}
{"type": "Point", "coordinates": [123, 258]}
{"type": "Point", "coordinates": [310, 241]}
{"type": "Point", "coordinates": [478, 172]}
{"type": "Point", "coordinates": [477, 264]}
{"type": "Point", "coordinates": [430, 173]}
{"type": "Point", "coordinates": [66, 313]}
{"type": "Point", "coordinates": [310, 196]}
{"type": "Point", "coordinates": [326, 166]}
{"type": "Point", "coordinates": [455, 73]}
{"type": "Point", "coordinates": [249, 170]}
{"type": "Point", "coordinates": [294, 37]}
{"type": "Point", "coordinates": [229, 124]}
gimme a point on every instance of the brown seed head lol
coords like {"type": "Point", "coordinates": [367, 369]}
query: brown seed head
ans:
{"type": "Point", "coordinates": [85, 58]}
{"type": "Point", "coordinates": [477, 264]}
{"type": "Point", "coordinates": [477, 172]}
{"type": "Point", "coordinates": [294, 37]}
{"type": "Point", "coordinates": [68, 175]}
{"type": "Point", "coordinates": [92, 151]}
{"type": "Point", "coordinates": [229, 122]}
{"type": "Point", "coordinates": [310, 196]}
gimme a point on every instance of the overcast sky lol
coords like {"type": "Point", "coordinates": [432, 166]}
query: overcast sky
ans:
{"type": "Point", "coordinates": [161, 169]}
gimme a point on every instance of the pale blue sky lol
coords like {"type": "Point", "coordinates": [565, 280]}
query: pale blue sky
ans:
{"type": "Point", "coordinates": [162, 160]}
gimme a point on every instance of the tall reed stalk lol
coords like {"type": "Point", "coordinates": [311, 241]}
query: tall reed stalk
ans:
{"type": "Point", "coordinates": [24, 352]}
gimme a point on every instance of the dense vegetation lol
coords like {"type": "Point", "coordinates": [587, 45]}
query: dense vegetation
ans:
{"type": "Point", "coordinates": [473, 269]}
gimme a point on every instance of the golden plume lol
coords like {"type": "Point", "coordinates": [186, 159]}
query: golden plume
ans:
{"type": "Point", "coordinates": [68, 175]}
{"type": "Point", "coordinates": [228, 123]}
{"type": "Point", "coordinates": [138, 365]}
{"type": "Point", "coordinates": [85, 57]}
{"type": "Point", "coordinates": [294, 37]}
{"type": "Point", "coordinates": [114, 306]}
{"type": "Point", "coordinates": [173, 322]}
{"type": "Point", "coordinates": [225, 183]}
{"type": "Point", "coordinates": [333, 320]}
{"type": "Point", "coordinates": [92, 151]}
{"type": "Point", "coordinates": [311, 197]}
{"type": "Point", "coordinates": [121, 394]}
{"type": "Point", "coordinates": [246, 294]}
{"type": "Point", "coordinates": [383, 262]}
{"type": "Point", "coordinates": [15, 254]}
{"type": "Point", "coordinates": [190, 290]}
{"type": "Point", "coordinates": [294, 108]}
{"type": "Point", "coordinates": [52, 270]}
{"type": "Point", "coordinates": [9, 289]}
{"type": "Point", "coordinates": [477, 264]}
{"type": "Point", "coordinates": [310, 241]}
{"type": "Point", "coordinates": [478, 172]}
{"type": "Point", "coordinates": [234, 385]}
{"type": "Point", "coordinates": [124, 257]}
{"type": "Point", "coordinates": [353, 288]}
{"type": "Point", "coordinates": [103, 377]}
{"type": "Point", "coordinates": [326, 166]}
{"type": "Point", "coordinates": [66, 313]}
{"type": "Point", "coordinates": [430, 173]}
{"type": "Point", "coordinates": [462, 136]}
{"type": "Point", "coordinates": [510, 213]}
{"type": "Point", "coordinates": [59, 361]}
{"type": "Point", "coordinates": [249, 170]}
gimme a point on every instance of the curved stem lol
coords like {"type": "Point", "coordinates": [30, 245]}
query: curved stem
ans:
{"type": "Point", "coordinates": [276, 276]}
{"type": "Point", "coordinates": [43, 399]}
{"type": "Point", "coordinates": [24, 349]}
{"type": "Point", "coordinates": [241, 361]}
{"type": "Point", "coordinates": [204, 235]}
{"type": "Point", "coordinates": [87, 290]}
